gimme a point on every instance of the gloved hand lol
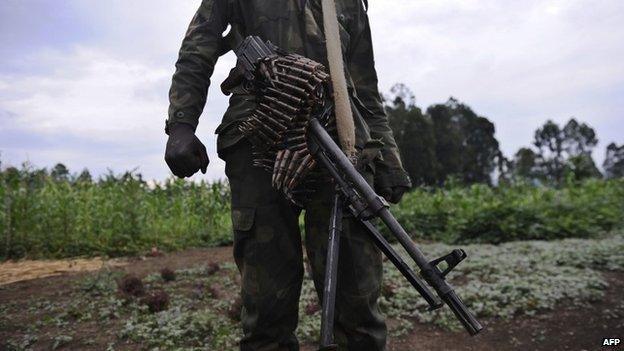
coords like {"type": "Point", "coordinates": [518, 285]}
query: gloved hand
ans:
{"type": "Point", "coordinates": [393, 194]}
{"type": "Point", "coordinates": [185, 154]}
{"type": "Point", "coordinates": [391, 180]}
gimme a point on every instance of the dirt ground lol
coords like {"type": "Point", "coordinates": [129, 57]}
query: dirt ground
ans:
{"type": "Point", "coordinates": [563, 329]}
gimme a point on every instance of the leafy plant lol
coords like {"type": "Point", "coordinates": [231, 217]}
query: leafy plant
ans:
{"type": "Point", "coordinates": [167, 274]}
{"type": "Point", "coordinates": [131, 286]}
{"type": "Point", "coordinates": [52, 216]}
{"type": "Point", "coordinates": [157, 301]}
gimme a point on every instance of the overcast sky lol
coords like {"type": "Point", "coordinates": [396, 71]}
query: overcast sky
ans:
{"type": "Point", "coordinates": [85, 82]}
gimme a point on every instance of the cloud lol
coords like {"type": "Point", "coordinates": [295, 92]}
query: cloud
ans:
{"type": "Point", "coordinates": [91, 110]}
{"type": "Point", "coordinates": [98, 100]}
{"type": "Point", "coordinates": [88, 93]}
{"type": "Point", "coordinates": [518, 63]}
{"type": "Point", "coordinates": [86, 84]}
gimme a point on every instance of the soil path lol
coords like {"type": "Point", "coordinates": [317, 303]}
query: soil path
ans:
{"type": "Point", "coordinates": [35, 277]}
{"type": "Point", "coordinates": [11, 272]}
{"type": "Point", "coordinates": [563, 329]}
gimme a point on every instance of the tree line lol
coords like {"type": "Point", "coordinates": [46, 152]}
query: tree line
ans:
{"type": "Point", "coordinates": [451, 141]}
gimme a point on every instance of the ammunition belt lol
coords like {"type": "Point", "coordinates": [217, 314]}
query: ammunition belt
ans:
{"type": "Point", "coordinates": [290, 89]}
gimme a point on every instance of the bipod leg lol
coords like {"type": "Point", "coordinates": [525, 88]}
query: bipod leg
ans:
{"type": "Point", "coordinates": [331, 276]}
{"type": "Point", "coordinates": [397, 261]}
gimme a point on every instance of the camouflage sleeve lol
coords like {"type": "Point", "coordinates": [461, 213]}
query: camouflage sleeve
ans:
{"type": "Point", "coordinates": [361, 65]}
{"type": "Point", "coordinates": [201, 47]}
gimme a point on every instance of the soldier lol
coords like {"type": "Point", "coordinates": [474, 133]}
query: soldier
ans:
{"type": "Point", "coordinates": [267, 241]}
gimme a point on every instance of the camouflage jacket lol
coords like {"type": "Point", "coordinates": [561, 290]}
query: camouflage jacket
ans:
{"type": "Point", "coordinates": [295, 26]}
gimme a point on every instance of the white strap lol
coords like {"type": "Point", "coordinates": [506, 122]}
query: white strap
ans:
{"type": "Point", "coordinates": [344, 116]}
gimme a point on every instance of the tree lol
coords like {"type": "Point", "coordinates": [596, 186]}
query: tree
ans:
{"type": "Point", "coordinates": [614, 161]}
{"type": "Point", "coordinates": [582, 166]}
{"type": "Point", "coordinates": [565, 150]}
{"type": "Point", "coordinates": [84, 177]}
{"type": "Point", "coordinates": [465, 143]}
{"type": "Point", "coordinates": [578, 138]}
{"type": "Point", "coordinates": [60, 172]}
{"type": "Point", "coordinates": [403, 95]}
{"type": "Point", "coordinates": [504, 168]}
{"type": "Point", "coordinates": [549, 141]}
{"type": "Point", "coordinates": [448, 135]}
{"type": "Point", "coordinates": [481, 148]}
{"type": "Point", "coordinates": [525, 164]}
{"type": "Point", "coordinates": [413, 133]}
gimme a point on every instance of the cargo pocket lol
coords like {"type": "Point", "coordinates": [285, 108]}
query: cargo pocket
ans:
{"type": "Point", "coordinates": [243, 218]}
{"type": "Point", "coordinates": [242, 223]}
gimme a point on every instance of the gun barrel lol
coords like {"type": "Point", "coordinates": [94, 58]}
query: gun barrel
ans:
{"type": "Point", "coordinates": [470, 323]}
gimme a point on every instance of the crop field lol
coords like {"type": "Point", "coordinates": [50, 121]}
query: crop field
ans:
{"type": "Point", "coordinates": [46, 216]}
{"type": "Point", "coordinates": [184, 301]}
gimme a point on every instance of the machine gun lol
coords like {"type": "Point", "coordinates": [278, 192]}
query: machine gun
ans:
{"type": "Point", "coordinates": [266, 69]}
{"type": "Point", "coordinates": [355, 194]}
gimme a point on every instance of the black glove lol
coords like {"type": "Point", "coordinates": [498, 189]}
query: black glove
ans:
{"type": "Point", "coordinates": [394, 194]}
{"type": "Point", "coordinates": [391, 180]}
{"type": "Point", "coordinates": [185, 154]}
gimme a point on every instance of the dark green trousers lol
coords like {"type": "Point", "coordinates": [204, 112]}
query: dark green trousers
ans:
{"type": "Point", "coordinates": [268, 253]}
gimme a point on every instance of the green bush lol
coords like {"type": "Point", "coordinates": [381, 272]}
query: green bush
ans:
{"type": "Point", "coordinates": [480, 213]}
